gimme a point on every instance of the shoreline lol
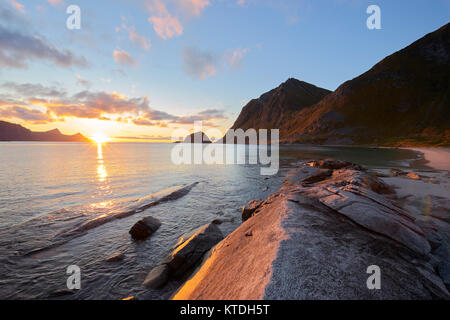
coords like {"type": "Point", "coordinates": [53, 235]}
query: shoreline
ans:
{"type": "Point", "coordinates": [435, 158]}
{"type": "Point", "coordinates": [309, 238]}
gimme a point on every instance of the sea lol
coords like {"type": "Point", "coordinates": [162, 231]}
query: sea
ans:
{"type": "Point", "coordinates": [65, 204]}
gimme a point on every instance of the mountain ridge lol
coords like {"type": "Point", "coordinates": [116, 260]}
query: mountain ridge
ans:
{"type": "Point", "coordinates": [403, 100]}
{"type": "Point", "coordinates": [15, 132]}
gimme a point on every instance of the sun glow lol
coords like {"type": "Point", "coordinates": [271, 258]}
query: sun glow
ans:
{"type": "Point", "coordinates": [100, 138]}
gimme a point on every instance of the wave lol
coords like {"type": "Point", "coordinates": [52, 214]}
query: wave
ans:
{"type": "Point", "coordinates": [113, 211]}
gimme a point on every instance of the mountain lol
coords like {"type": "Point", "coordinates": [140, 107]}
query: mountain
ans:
{"type": "Point", "coordinates": [197, 136]}
{"type": "Point", "coordinates": [15, 132]}
{"type": "Point", "coordinates": [402, 100]}
{"type": "Point", "coordinates": [275, 108]}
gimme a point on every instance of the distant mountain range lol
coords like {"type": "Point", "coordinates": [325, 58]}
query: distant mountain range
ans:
{"type": "Point", "coordinates": [403, 100]}
{"type": "Point", "coordinates": [15, 132]}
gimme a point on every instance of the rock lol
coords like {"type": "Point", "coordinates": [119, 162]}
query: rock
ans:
{"type": "Point", "coordinates": [442, 253]}
{"type": "Point", "coordinates": [190, 249]}
{"type": "Point", "coordinates": [158, 277]}
{"type": "Point", "coordinates": [119, 256]}
{"type": "Point", "coordinates": [305, 250]}
{"type": "Point", "coordinates": [144, 228]}
{"type": "Point", "coordinates": [219, 221]}
{"type": "Point", "coordinates": [398, 173]}
{"type": "Point", "coordinates": [62, 293]}
{"type": "Point", "coordinates": [333, 164]}
{"type": "Point", "coordinates": [413, 175]}
{"type": "Point", "coordinates": [249, 210]}
{"type": "Point", "coordinates": [318, 176]}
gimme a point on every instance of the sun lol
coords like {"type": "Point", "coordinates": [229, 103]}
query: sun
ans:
{"type": "Point", "coordinates": [99, 138]}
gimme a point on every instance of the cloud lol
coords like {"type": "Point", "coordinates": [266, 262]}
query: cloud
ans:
{"type": "Point", "coordinates": [193, 7]}
{"type": "Point", "coordinates": [28, 90]}
{"type": "Point", "coordinates": [90, 105]}
{"type": "Point", "coordinates": [56, 2]}
{"type": "Point", "coordinates": [199, 64]}
{"type": "Point", "coordinates": [123, 57]}
{"type": "Point", "coordinates": [26, 114]}
{"type": "Point", "coordinates": [81, 81]}
{"type": "Point", "coordinates": [17, 48]}
{"type": "Point", "coordinates": [134, 36]}
{"type": "Point", "coordinates": [235, 58]}
{"type": "Point", "coordinates": [18, 6]}
{"type": "Point", "coordinates": [168, 24]}
{"type": "Point", "coordinates": [205, 116]}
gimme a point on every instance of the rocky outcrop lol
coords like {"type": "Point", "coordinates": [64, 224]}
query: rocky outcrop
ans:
{"type": "Point", "coordinates": [197, 137]}
{"type": "Point", "coordinates": [250, 209]}
{"type": "Point", "coordinates": [316, 240]}
{"type": "Point", "coordinates": [144, 228]}
{"type": "Point", "coordinates": [186, 254]}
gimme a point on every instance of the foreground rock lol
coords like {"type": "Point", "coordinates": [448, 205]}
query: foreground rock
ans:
{"type": "Point", "coordinates": [315, 240]}
{"type": "Point", "coordinates": [187, 254]}
{"type": "Point", "coordinates": [144, 228]}
{"type": "Point", "coordinates": [250, 209]}
{"type": "Point", "coordinates": [157, 277]}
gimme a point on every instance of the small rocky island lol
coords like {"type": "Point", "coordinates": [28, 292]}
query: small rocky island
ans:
{"type": "Point", "coordinates": [197, 137]}
{"type": "Point", "coordinates": [317, 237]}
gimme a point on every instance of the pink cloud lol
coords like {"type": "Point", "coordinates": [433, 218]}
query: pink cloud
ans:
{"type": "Point", "coordinates": [55, 2]}
{"type": "Point", "coordinates": [168, 24]}
{"type": "Point", "coordinates": [123, 57]}
{"type": "Point", "coordinates": [235, 58]}
{"type": "Point", "coordinates": [18, 6]}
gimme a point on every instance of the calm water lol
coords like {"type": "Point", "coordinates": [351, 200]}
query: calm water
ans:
{"type": "Point", "coordinates": [47, 190]}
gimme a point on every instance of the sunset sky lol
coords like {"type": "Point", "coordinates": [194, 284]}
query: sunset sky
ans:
{"type": "Point", "coordinates": [138, 69]}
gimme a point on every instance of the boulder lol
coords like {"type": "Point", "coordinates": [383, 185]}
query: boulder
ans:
{"type": "Point", "coordinates": [144, 228]}
{"type": "Point", "coordinates": [158, 277]}
{"type": "Point", "coordinates": [250, 209]}
{"type": "Point", "coordinates": [190, 249]}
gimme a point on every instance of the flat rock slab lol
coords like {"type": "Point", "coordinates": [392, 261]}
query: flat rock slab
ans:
{"type": "Point", "coordinates": [316, 241]}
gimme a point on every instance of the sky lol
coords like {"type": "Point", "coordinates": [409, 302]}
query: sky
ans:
{"type": "Point", "coordinates": [138, 69]}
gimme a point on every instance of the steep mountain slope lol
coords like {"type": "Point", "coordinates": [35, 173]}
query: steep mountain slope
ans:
{"type": "Point", "coordinates": [402, 100]}
{"type": "Point", "coordinates": [14, 132]}
{"type": "Point", "coordinates": [274, 108]}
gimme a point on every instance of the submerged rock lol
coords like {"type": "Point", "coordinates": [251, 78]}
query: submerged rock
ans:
{"type": "Point", "coordinates": [158, 277]}
{"type": "Point", "coordinates": [117, 257]}
{"type": "Point", "coordinates": [144, 228]}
